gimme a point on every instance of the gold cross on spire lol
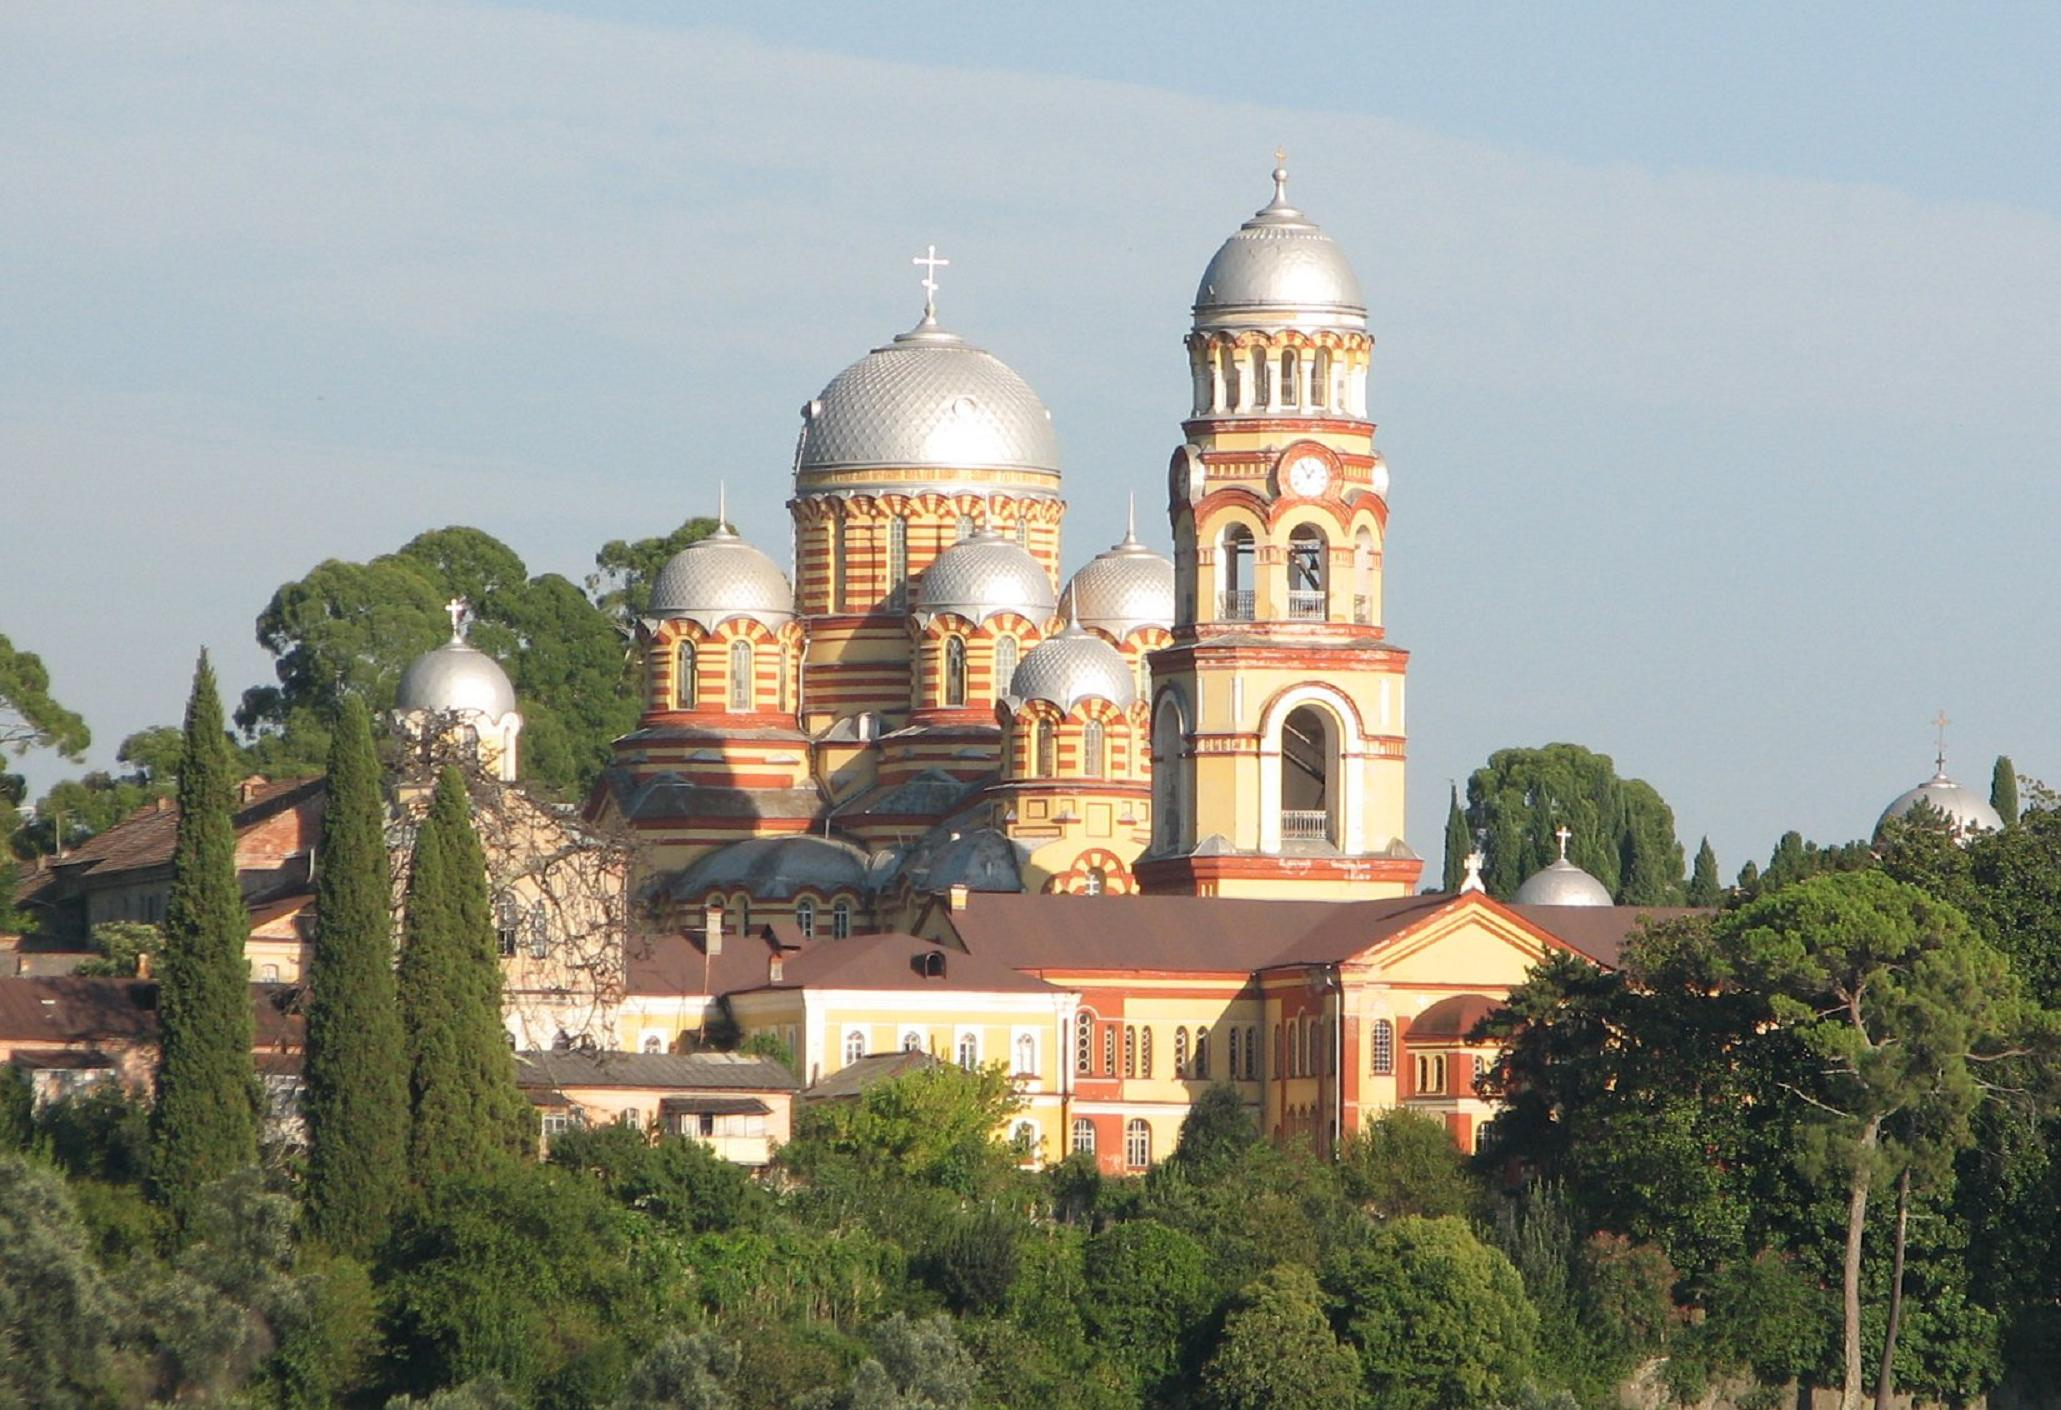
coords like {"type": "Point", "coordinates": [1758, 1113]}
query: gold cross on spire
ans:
{"type": "Point", "coordinates": [1940, 723]}
{"type": "Point", "coordinates": [931, 265]}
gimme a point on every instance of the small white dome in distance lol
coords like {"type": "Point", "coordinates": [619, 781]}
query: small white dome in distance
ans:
{"type": "Point", "coordinates": [457, 676]}
{"type": "Point", "coordinates": [1562, 883]}
{"type": "Point", "coordinates": [1966, 811]}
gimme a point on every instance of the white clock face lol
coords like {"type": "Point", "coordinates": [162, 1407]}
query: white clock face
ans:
{"type": "Point", "coordinates": [1309, 475]}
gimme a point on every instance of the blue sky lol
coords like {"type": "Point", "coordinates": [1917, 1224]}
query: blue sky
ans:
{"type": "Point", "coordinates": [1716, 361]}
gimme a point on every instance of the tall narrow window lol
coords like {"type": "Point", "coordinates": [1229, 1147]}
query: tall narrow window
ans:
{"type": "Point", "coordinates": [1084, 1042]}
{"type": "Point", "coordinates": [840, 563]}
{"type": "Point", "coordinates": [1320, 380]}
{"type": "Point", "coordinates": [1005, 663]}
{"type": "Point", "coordinates": [780, 686]}
{"type": "Point", "coordinates": [955, 670]}
{"type": "Point", "coordinates": [1252, 1035]}
{"type": "Point", "coordinates": [1109, 1050]}
{"type": "Point", "coordinates": [1044, 749]}
{"type": "Point", "coordinates": [1228, 365]}
{"type": "Point", "coordinates": [1026, 1055]}
{"type": "Point", "coordinates": [684, 679]}
{"type": "Point", "coordinates": [1094, 758]}
{"type": "Point", "coordinates": [740, 674]}
{"type": "Point", "coordinates": [969, 1051]}
{"type": "Point", "coordinates": [1289, 377]}
{"type": "Point", "coordinates": [1130, 1050]}
{"type": "Point", "coordinates": [1137, 1144]}
{"type": "Point", "coordinates": [1022, 532]}
{"type": "Point", "coordinates": [1083, 1135]}
{"type": "Point", "coordinates": [805, 918]}
{"type": "Point", "coordinates": [1260, 395]}
{"type": "Point", "coordinates": [841, 920]}
{"type": "Point", "coordinates": [1202, 1053]}
{"type": "Point", "coordinates": [1145, 1051]}
{"type": "Point", "coordinates": [854, 1046]}
{"type": "Point", "coordinates": [897, 562]}
{"type": "Point", "coordinates": [1236, 600]}
{"type": "Point", "coordinates": [1181, 1052]}
{"type": "Point", "coordinates": [1232, 1053]}
{"type": "Point", "coordinates": [1384, 1047]}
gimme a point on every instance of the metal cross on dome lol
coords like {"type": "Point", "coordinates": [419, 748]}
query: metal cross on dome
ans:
{"type": "Point", "coordinates": [1939, 723]}
{"type": "Point", "coordinates": [931, 265]}
{"type": "Point", "coordinates": [457, 608]}
{"type": "Point", "coordinates": [1563, 833]}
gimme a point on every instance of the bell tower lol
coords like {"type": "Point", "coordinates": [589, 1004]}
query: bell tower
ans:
{"type": "Point", "coordinates": [1277, 712]}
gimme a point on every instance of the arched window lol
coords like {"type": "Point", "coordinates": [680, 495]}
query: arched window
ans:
{"type": "Point", "coordinates": [1480, 1070]}
{"type": "Point", "coordinates": [1236, 601]}
{"type": "Point", "coordinates": [1320, 381]}
{"type": "Point", "coordinates": [1252, 1053]}
{"type": "Point", "coordinates": [1262, 395]}
{"type": "Point", "coordinates": [1137, 1144]}
{"type": "Point", "coordinates": [969, 1051]}
{"type": "Point", "coordinates": [1094, 882]}
{"type": "Point", "coordinates": [1307, 754]}
{"type": "Point", "coordinates": [507, 924]}
{"type": "Point", "coordinates": [1083, 1135]}
{"type": "Point", "coordinates": [1084, 1042]}
{"type": "Point", "coordinates": [1289, 377]}
{"type": "Point", "coordinates": [1005, 663]}
{"type": "Point", "coordinates": [805, 918]}
{"type": "Point", "coordinates": [1045, 747]}
{"type": "Point", "coordinates": [1181, 1052]}
{"type": "Point", "coordinates": [840, 563]}
{"type": "Point", "coordinates": [841, 920]}
{"type": "Point", "coordinates": [1280, 1053]}
{"type": "Point", "coordinates": [740, 906]}
{"type": "Point", "coordinates": [685, 681]}
{"type": "Point", "coordinates": [653, 1044]}
{"type": "Point", "coordinates": [912, 1041]}
{"type": "Point", "coordinates": [1022, 532]}
{"type": "Point", "coordinates": [1109, 1050]}
{"type": "Point", "coordinates": [1169, 780]}
{"type": "Point", "coordinates": [1145, 1051]}
{"type": "Point", "coordinates": [962, 529]}
{"type": "Point", "coordinates": [955, 670]}
{"type": "Point", "coordinates": [740, 674]}
{"type": "Point", "coordinates": [1227, 366]}
{"type": "Point", "coordinates": [1094, 757]}
{"type": "Point", "coordinates": [780, 681]}
{"type": "Point", "coordinates": [1384, 1047]}
{"type": "Point", "coordinates": [898, 562]}
{"type": "Point", "coordinates": [1026, 1055]}
{"type": "Point", "coordinates": [854, 1046]}
{"type": "Point", "coordinates": [539, 930]}
{"type": "Point", "coordinates": [1308, 563]}
{"type": "Point", "coordinates": [1202, 1053]}
{"type": "Point", "coordinates": [1130, 1050]}
{"type": "Point", "coordinates": [1363, 577]}
{"type": "Point", "coordinates": [1431, 1074]}
{"type": "Point", "coordinates": [1232, 1054]}
{"type": "Point", "coordinates": [1024, 1141]}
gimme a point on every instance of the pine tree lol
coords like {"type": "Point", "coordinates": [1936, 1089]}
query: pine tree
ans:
{"type": "Point", "coordinates": [357, 1074]}
{"type": "Point", "coordinates": [1704, 887]}
{"type": "Point", "coordinates": [205, 1121]}
{"type": "Point", "coordinates": [1459, 842]}
{"type": "Point", "coordinates": [461, 1079]}
{"type": "Point", "coordinates": [2003, 789]}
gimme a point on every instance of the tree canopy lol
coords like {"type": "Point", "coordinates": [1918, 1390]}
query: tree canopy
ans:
{"type": "Point", "coordinates": [1623, 832]}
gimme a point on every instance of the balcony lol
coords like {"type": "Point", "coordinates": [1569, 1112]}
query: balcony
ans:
{"type": "Point", "coordinates": [1235, 605]}
{"type": "Point", "coordinates": [1305, 825]}
{"type": "Point", "coordinates": [1305, 604]}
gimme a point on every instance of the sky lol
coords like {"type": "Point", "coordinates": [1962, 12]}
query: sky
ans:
{"type": "Point", "coordinates": [1716, 359]}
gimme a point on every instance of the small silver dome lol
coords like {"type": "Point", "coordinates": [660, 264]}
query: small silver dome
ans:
{"type": "Point", "coordinates": [1280, 268]}
{"type": "Point", "coordinates": [984, 577]}
{"type": "Point", "coordinates": [1074, 666]}
{"type": "Point", "coordinates": [1965, 809]}
{"type": "Point", "coordinates": [456, 676]}
{"type": "Point", "coordinates": [929, 398]}
{"type": "Point", "coordinates": [720, 577]}
{"type": "Point", "coordinates": [1127, 587]}
{"type": "Point", "coordinates": [1562, 883]}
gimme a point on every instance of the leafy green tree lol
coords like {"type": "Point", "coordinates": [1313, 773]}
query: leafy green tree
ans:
{"type": "Point", "coordinates": [2015, 876]}
{"type": "Point", "coordinates": [2003, 789]}
{"type": "Point", "coordinates": [1704, 887]}
{"type": "Point", "coordinates": [465, 1105]}
{"type": "Point", "coordinates": [1623, 830]}
{"type": "Point", "coordinates": [1277, 1349]}
{"type": "Point", "coordinates": [1899, 1004]}
{"type": "Point", "coordinates": [30, 716]}
{"type": "Point", "coordinates": [625, 569]}
{"type": "Point", "coordinates": [932, 1127]}
{"type": "Point", "coordinates": [205, 1121]}
{"type": "Point", "coordinates": [482, 1393]}
{"type": "Point", "coordinates": [1459, 842]}
{"type": "Point", "coordinates": [976, 1262]}
{"type": "Point", "coordinates": [356, 1098]}
{"type": "Point", "coordinates": [1440, 1320]}
{"type": "Point", "coordinates": [1147, 1293]}
{"type": "Point", "coordinates": [1406, 1163]}
{"type": "Point", "coordinates": [686, 1371]}
{"type": "Point", "coordinates": [63, 1321]}
{"type": "Point", "coordinates": [17, 1109]}
{"type": "Point", "coordinates": [1216, 1130]}
{"type": "Point", "coordinates": [681, 1184]}
{"type": "Point", "coordinates": [118, 949]}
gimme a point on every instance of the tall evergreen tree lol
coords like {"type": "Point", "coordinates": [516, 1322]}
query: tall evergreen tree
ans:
{"type": "Point", "coordinates": [205, 1121]}
{"type": "Point", "coordinates": [1704, 887]}
{"type": "Point", "coordinates": [2003, 789]}
{"type": "Point", "coordinates": [1459, 842]}
{"type": "Point", "coordinates": [461, 1078]}
{"type": "Point", "coordinates": [357, 1072]}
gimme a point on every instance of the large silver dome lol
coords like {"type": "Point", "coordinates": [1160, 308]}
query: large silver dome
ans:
{"type": "Point", "coordinates": [720, 577]}
{"type": "Point", "coordinates": [984, 577]}
{"type": "Point", "coordinates": [1074, 666]}
{"type": "Point", "coordinates": [457, 676]}
{"type": "Point", "coordinates": [1966, 810]}
{"type": "Point", "coordinates": [1280, 268]}
{"type": "Point", "coordinates": [777, 868]}
{"type": "Point", "coordinates": [1562, 884]}
{"type": "Point", "coordinates": [1119, 590]}
{"type": "Point", "coordinates": [929, 398]}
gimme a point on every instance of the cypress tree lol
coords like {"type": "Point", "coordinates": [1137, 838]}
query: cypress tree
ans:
{"type": "Point", "coordinates": [2003, 789]}
{"type": "Point", "coordinates": [1704, 888]}
{"type": "Point", "coordinates": [461, 1079]}
{"type": "Point", "coordinates": [205, 1121]}
{"type": "Point", "coordinates": [1459, 841]}
{"type": "Point", "coordinates": [357, 1073]}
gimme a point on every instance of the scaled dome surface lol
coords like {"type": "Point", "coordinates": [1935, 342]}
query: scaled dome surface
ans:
{"type": "Point", "coordinates": [778, 868]}
{"type": "Point", "coordinates": [929, 398]}
{"type": "Point", "coordinates": [457, 676]}
{"type": "Point", "coordinates": [1280, 265]}
{"type": "Point", "coordinates": [1562, 883]}
{"type": "Point", "coordinates": [719, 577]}
{"type": "Point", "coordinates": [983, 577]}
{"type": "Point", "coordinates": [1073, 666]}
{"type": "Point", "coordinates": [1121, 589]}
{"type": "Point", "coordinates": [1964, 808]}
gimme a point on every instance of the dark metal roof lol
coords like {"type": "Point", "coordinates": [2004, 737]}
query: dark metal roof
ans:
{"type": "Point", "coordinates": [713, 1106]}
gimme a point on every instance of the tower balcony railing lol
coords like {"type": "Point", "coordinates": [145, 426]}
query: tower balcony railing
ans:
{"type": "Point", "coordinates": [1305, 825]}
{"type": "Point", "coordinates": [1306, 604]}
{"type": "Point", "coordinates": [1235, 605]}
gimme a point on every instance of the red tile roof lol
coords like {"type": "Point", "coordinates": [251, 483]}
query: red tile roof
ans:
{"type": "Point", "coordinates": [69, 1009]}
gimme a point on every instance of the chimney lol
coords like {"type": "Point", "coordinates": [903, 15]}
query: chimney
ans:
{"type": "Point", "coordinates": [248, 789]}
{"type": "Point", "coordinates": [774, 968]}
{"type": "Point", "coordinates": [712, 928]}
{"type": "Point", "coordinates": [958, 895]}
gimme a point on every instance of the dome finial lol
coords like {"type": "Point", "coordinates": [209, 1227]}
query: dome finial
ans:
{"type": "Point", "coordinates": [457, 609]}
{"type": "Point", "coordinates": [1130, 521]}
{"type": "Point", "coordinates": [722, 505]}
{"type": "Point", "coordinates": [1563, 834]}
{"type": "Point", "coordinates": [1940, 723]}
{"type": "Point", "coordinates": [1280, 178]}
{"type": "Point", "coordinates": [931, 265]}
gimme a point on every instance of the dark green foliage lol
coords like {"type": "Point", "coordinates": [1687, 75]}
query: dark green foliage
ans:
{"type": "Point", "coordinates": [17, 1109]}
{"type": "Point", "coordinates": [205, 1121]}
{"type": "Point", "coordinates": [626, 569]}
{"type": "Point", "coordinates": [30, 717]}
{"type": "Point", "coordinates": [1765, 1315]}
{"type": "Point", "coordinates": [2003, 789]}
{"type": "Point", "coordinates": [1704, 887]}
{"type": "Point", "coordinates": [933, 1127]}
{"type": "Point", "coordinates": [1147, 1292]}
{"type": "Point", "coordinates": [1406, 1163]}
{"type": "Point", "coordinates": [62, 1320]}
{"type": "Point", "coordinates": [1277, 1350]}
{"type": "Point", "coordinates": [356, 1097]}
{"type": "Point", "coordinates": [1459, 842]}
{"type": "Point", "coordinates": [102, 1133]}
{"type": "Point", "coordinates": [975, 1264]}
{"type": "Point", "coordinates": [465, 1106]}
{"type": "Point", "coordinates": [683, 1372]}
{"type": "Point", "coordinates": [2016, 879]}
{"type": "Point", "coordinates": [1216, 1130]}
{"type": "Point", "coordinates": [914, 1366]}
{"type": "Point", "coordinates": [767, 1044]}
{"type": "Point", "coordinates": [119, 947]}
{"type": "Point", "coordinates": [484, 1393]}
{"type": "Point", "coordinates": [1439, 1319]}
{"type": "Point", "coordinates": [1623, 830]}
{"type": "Point", "coordinates": [681, 1184]}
